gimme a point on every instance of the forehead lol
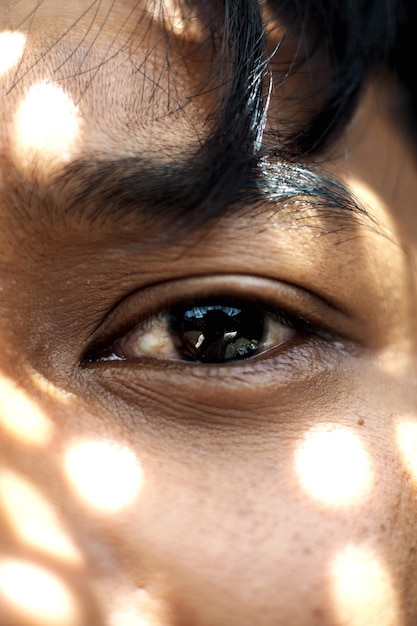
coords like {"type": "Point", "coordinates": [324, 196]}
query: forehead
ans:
{"type": "Point", "coordinates": [122, 78]}
{"type": "Point", "coordinates": [99, 76]}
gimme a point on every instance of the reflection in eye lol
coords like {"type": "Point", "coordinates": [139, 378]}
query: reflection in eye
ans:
{"type": "Point", "coordinates": [206, 333]}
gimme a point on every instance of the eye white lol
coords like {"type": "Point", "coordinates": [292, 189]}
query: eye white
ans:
{"type": "Point", "coordinates": [151, 338]}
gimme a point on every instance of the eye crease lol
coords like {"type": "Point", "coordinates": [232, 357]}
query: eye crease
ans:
{"type": "Point", "coordinates": [216, 332]}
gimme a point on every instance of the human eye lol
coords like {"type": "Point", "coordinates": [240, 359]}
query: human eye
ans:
{"type": "Point", "coordinates": [213, 331]}
{"type": "Point", "coordinates": [216, 323]}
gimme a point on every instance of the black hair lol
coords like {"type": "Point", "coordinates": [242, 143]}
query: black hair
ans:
{"type": "Point", "coordinates": [352, 40]}
{"type": "Point", "coordinates": [337, 44]}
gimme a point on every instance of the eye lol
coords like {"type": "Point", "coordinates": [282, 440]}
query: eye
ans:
{"type": "Point", "coordinates": [216, 319]}
{"type": "Point", "coordinates": [205, 332]}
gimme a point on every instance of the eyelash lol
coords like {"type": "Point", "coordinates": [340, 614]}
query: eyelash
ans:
{"type": "Point", "coordinates": [115, 347]}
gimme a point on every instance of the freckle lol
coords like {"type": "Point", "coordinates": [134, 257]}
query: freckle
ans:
{"type": "Point", "coordinates": [318, 613]}
{"type": "Point", "coordinates": [412, 550]}
{"type": "Point", "coordinates": [243, 512]}
{"type": "Point", "coordinates": [383, 528]}
{"type": "Point", "coordinates": [361, 422]}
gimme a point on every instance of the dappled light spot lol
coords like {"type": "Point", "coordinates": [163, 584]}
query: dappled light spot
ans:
{"type": "Point", "coordinates": [363, 593]}
{"type": "Point", "coordinates": [177, 17]}
{"type": "Point", "coordinates": [407, 443]}
{"type": "Point", "coordinates": [139, 608]}
{"type": "Point", "coordinates": [106, 476]}
{"type": "Point", "coordinates": [333, 467]}
{"type": "Point", "coordinates": [46, 125]}
{"type": "Point", "coordinates": [33, 519]}
{"type": "Point", "coordinates": [35, 593]}
{"type": "Point", "coordinates": [21, 418]}
{"type": "Point", "coordinates": [49, 390]}
{"type": "Point", "coordinates": [369, 196]}
{"type": "Point", "coordinates": [12, 47]}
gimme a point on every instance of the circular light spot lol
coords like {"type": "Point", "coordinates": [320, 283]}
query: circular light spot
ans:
{"type": "Point", "coordinates": [37, 594]}
{"type": "Point", "coordinates": [333, 466]}
{"type": "Point", "coordinates": [12, 46]}
{"type": "Point", "coordinates": [33, 518]}
{"type": "Point", "coordinates": [20, 416]}
{"type": "Point", "coordinates": [46, 125]}
{"type": "Point", "coordinates": [362, 590]}
{"type": "Point", "coordinates": [106, 476]}
{"type": "Point", "coordinates": [139, 608]}
{"type": "Point", "coordinates": [177, 17]}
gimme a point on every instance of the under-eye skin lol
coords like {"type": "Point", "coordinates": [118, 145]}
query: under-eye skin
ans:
{"type": "Point", "coordinates": [212, 331]}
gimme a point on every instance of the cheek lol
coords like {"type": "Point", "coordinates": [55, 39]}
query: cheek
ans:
{"type": "Point", "coordinates": [311, 524]}
{"type": "Point", "coordinates": [250, 539]}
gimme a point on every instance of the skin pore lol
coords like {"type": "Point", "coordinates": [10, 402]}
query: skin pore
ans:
{"type": "Point", "coordinates": [139, 489]}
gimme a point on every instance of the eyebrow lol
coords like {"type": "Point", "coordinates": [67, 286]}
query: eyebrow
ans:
{"type": "Point", "coordinates": [140, 192]}
{"type": "Point", "coordinates": [133, 188]}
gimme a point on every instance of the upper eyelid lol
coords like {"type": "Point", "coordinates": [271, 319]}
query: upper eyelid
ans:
{"type": "Point", "coordinates": [159, 296]}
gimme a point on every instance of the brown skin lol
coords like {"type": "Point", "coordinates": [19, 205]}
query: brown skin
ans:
{"type": "Point", "coordinates": [226, 525]}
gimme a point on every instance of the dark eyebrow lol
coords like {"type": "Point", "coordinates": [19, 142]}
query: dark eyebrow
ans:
{"type": "Point", "coordinates": [133, 188]}
{"type": "Point", "coordinates": [137, 191]}
{"type": "Point", "coordinates": [305, 190]}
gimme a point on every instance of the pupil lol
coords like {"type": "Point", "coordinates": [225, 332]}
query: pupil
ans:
{"type": "Point", "coordinates": [217, 333]}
